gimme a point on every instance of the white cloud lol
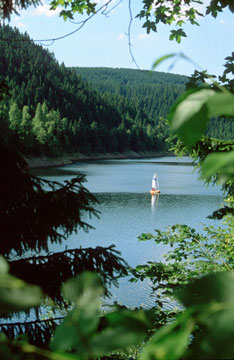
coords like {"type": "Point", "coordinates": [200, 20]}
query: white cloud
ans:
{"type": "Point", "coordinates": [102, 2]}
{"type": "Point", "coordinates": [223, 22]}
{"type": "Point", "coordinates": [18, 21]}
{"type": "Point", "coordinates": [20, 25]}
{"type": "Point", "coordinates": [111, 7]}
{"type": "Point", "coordinates": [120, 37]}
{"type": "Point", "coordinates": [45, 10]}
{"type": "Point", "coordinates": [143, 36]}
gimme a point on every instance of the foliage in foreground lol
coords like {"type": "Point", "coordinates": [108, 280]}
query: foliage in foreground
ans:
{"type": "Point", "coordinates": [36, 214]}
{"type": "Point", "coordinates": [205, 328]}
{"type": "Point", "coordinates": [188, 256]}
{"type": "Point", "coordinates": [86, 333]}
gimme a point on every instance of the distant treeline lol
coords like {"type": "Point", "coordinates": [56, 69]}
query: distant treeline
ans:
{"type": "Point", "coordinates": [150, 92]}
{"type": "Point", "coordinates": [221, 128]}
{"type": "Point", "coordinates": [52, 110]}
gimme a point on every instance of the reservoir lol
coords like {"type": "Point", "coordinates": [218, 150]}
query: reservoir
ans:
{"type": "Point", "coordinates": [127, 210]}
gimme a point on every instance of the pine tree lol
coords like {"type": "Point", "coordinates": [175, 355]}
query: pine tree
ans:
{"type": "Point", "coordinates": [31, 219]}
{"type": "Point", "coordinates": [35, 213]}
{"type": "Point", "coordinates": [14, 118]}
{"type": "Point", "coordinates": [38, 125]}
{"type": "Point", "coordinates": [25, 129]}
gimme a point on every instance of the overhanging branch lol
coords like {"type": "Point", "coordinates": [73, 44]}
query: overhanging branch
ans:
{"type": "Point", "coordinates": [51, 271]}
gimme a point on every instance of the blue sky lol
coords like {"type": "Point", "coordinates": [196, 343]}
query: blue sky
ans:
{"type": "Point", "coordinates": [103, 41]}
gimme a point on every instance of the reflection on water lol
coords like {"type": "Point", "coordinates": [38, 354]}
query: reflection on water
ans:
{"type": "Point", "coordinates": [54, 172]}
{"type": "Point", "coordinates": [154, 201]}
{"type": "Point", "coordinates": [128, 210]}
{"type": "Point", "coordinates": [135, 176]}
{"type": "Point", "coordinates": [125, 216]}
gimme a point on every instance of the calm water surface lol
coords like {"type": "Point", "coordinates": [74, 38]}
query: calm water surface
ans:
{"type": "Point", "coordinates": [127, 209]}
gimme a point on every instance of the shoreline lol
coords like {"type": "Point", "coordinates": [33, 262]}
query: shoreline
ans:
{"type": "Point", "coordinates": [46, 162]}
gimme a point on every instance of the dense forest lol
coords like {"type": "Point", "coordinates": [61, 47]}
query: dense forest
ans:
{"type": "Point", "coordinates": [195, 276]}
{"type": "Point", "coordinates": [151, 92]}
{"type": "Point", "coordinates": [52, 111]}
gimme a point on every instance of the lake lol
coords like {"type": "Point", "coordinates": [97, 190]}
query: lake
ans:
{"type": "Point", "coordinates": [128, 210]}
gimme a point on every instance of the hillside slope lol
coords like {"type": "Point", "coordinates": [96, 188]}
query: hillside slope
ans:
{"type": "Point", "coordinates": [151, 92]}
{"type": "Point", "coordinates": [52, 111]}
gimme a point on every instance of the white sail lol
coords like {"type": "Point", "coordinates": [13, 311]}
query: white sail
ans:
{"type": "Point", "coordinates": [155, 184]}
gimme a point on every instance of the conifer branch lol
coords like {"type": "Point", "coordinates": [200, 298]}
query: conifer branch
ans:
{"type": "Point", "coordinates": [39, 332]}
{"type": "Point", "coordinates": [51, 271]}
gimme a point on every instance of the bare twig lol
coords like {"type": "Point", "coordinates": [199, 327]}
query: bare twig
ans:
{"type": "Point", "coordinates": [129, 34]}
{"type": "Point", "coordinates": [104, 12]}
{"type": "Point", "coordinates": [80, 23]}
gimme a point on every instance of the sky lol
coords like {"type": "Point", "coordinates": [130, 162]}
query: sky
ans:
{"type": "Point", "coordinates": [103, 40]}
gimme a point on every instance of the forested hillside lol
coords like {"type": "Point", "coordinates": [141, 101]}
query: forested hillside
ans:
{"type": "Point", "coordinates": [51, 111]}
{"type": "Point", "coordinates": [150, 92]}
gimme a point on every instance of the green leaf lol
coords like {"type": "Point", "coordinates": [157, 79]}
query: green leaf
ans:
{"type": "Point", "coordinates": [87, 285]}
{"type": "Point", "coordinates": [212, 288]}
{"type": "Point", "coordinates": [180, 23]}
{"type": "Point", "coordinates": [66, 14]}
{"type": "Point", "coordinates": [221, 104]}
{"type": "Point", "coordinates": [212, 299]}
{"type": "Point", "coordinates": [4, 267]}
{"type": "Point", "coordinates": [221, 164]}
{"type": "Point", "coordinates": [125, 328]}
{"type": "Point", "coordinates": [171, 341]}
{"type": "Point", "coordinates": [63, 356]}
{"type": "Point", "coordinates": [81, 323]}
{"type": "Point", "coordinates": [189, 116]}
{"type": "Point", "coordinates": [15, 294]}
{"type": "Point", "coordinates": [162, 58]}
{"type": "Point", "coordinates": [191, 113]}
{"type": "Point", "coordinates": [145, 237]}
{"type": "Point", "coordinates": [114, 339]}
{"type": "Point", "coordinates": [76, 330]}
{"type": "Point", "coordinates": [177, 34]}
{"type": "Point", "coordinates": [138, 320]}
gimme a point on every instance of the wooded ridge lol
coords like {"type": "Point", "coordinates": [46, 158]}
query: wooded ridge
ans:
{"type": "Point", "coordinates": [56, 111]}
{"type": "Point", "coordinates": [51, 111]}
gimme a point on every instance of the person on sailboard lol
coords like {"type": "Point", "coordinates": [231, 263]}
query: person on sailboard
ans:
{"type": "Point", "coordinates": [155, 182]}
{"type": "Point", "coordinates": [155, 185]}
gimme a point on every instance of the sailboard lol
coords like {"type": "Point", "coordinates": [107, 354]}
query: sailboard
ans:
{"type": "Point", "coordinates": [155, 185]}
